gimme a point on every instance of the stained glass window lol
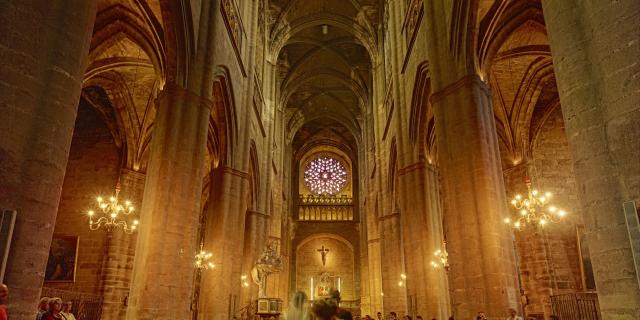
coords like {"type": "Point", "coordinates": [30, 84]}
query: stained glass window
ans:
{"type": "Point", "coordinates": [325, 175]}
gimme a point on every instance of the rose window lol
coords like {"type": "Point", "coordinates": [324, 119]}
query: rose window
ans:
{"type": "Point", "coordinates": [325, 175]}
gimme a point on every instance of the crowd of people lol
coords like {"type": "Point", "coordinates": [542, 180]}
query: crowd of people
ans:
{"type": "Point", "coordinates": [48, 308]}
{"type": "Point", "coordinates": [325, 309]}
{"type": "Point", "coordinates": [54, 309]}
{"type": "Point", "coordinates": [512, 315]}
{"type": "Point", "coordinates": [329, 309]}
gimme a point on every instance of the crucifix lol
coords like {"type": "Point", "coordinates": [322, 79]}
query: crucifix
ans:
{"type": "Point", "coordinates": [323, 253]}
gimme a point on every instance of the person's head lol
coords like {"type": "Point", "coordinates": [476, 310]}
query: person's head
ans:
{"type": "Point", "coordinates": [344, 315]}
{"type": "Point", "coordinates": [512, 312]}
{"type": "Point", "coordinates": [55, 304]}
{"type": "Point", "coordinates": [393, 315]}
{"type": "Point", "coordinates": [44, 303]}
{"type": "Point", "coordinates": [66, 306]}
{"type": "Point", "coordinates": [335, 295]}
{"type": "Point", "coordinates": [379, 315]}
{"type": "Point", "coordinates": [481, 315]}
{"type": "Point", "coordinates": [368, 317]}
{"type": "Point", "coordinates": [325, 309]}
{"type": "Point", "coordinates": [298, 300]}
{"type": "Point", "coordinates": [4, 293]}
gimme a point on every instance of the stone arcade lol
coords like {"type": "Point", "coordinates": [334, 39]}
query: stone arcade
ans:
{"type": "Point", "coordinates": [367, 146]}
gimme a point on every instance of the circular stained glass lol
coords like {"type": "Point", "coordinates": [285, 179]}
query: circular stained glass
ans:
{"type": "Point", "coordinates": [325, 175]}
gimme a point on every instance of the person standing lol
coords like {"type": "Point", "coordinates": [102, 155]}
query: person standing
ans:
{"type": "Point", "coordinates": [43, 307]}
{"type": "Point", "coordinates": [4, 295]}
{"type": "Point", "coordinates": [513, 315]}
{"type": "Point", "coordinates": [55, 309]}
{"type": "Point", "coordinates": [66, 311]}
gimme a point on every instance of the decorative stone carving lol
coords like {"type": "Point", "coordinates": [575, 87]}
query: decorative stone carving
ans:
{"type": "Point", "coordinates": [233, 22]}
{"type": "Point", "coordinates": [269, 262]}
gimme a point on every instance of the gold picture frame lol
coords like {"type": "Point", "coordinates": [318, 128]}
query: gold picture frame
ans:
{"type": "Point", "coordinates": [63, 259]}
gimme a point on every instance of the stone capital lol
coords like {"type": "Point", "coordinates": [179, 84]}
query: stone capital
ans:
{"type": "Point", "coordinates": [467, 81]}
{"type": "Point", "coordinates": [236, 172]}
{"type": "Point", "coordinates": [131, 175]}
{"type": "Point", "coordinates": [390, 216]}
{"type": "Point", "coordinates": [173, 90]}
{"type": "Point", "coordinates": [257, 214]}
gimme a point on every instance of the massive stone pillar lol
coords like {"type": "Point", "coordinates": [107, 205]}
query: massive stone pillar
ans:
{"type": "Point", "coordinates": [255, 235]}
{"type": "Point", "coordinates": [166, 243]}
{"type": "Point", "coordinates": [118, 267]}
{"type": "Point", "coordinates": [422, 236]}
{"type": "Point", "coordinates": [595, 51]}
{"type": "Point", "coordinates": [43, 49]}
{"type": "Point", "coordinates": [220, 288]}
{"type": "Point", "coordinates": [394, 295]}
{"type": "Point", "coordinates": [482, 274]}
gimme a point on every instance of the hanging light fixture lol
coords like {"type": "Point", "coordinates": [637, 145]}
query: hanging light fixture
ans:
{"type": "Point", "coordinates": [243, 279]}
{"type": "Point", "coordinates": [202, 260]}
{"type": "Point", "coordinates": [442, 257]}
{"type": "Point", "coordinates": [534, 209]}
{"type": "Point", "coordinates": [113, 214]}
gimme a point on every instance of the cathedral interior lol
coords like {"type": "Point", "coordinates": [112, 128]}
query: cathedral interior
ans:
{"type": "Point", "coordinates": [208, 159]}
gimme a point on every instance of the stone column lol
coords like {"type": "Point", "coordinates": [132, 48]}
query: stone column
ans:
{"type": "Point", "coordinates": [220, 289]}
{"type": "Point", "coordinates": [595, 52]}
{"type": "Point", "coordinates": [482, 272]}
{"type": "Point", "coordinates": [166, 243]}
{"type": "Point", "coordinates": [421, 237]}
{"type": "Point", "coordinates": [395, 296]}
{"type": "Point", "coordinates": [43, 49]}
{"type": "Point", "coordinates": [118, 267]}
{"type": "Point", "coordinates": [255, 233]}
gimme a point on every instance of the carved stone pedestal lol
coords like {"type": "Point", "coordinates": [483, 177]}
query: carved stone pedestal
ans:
{"type": "Point", "coordinates": [268, 308]}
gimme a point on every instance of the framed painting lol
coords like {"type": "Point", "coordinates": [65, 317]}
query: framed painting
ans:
{"type": "Point", "coordinates": [63, 256]}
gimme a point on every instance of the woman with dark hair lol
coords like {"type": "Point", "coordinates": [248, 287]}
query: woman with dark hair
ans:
{"type": "Point", "coordinates": [325, 309]}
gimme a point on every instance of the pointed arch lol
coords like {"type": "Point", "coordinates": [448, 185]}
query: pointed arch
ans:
{"type": "Point", "coordinates": [254, 172]}
{"type": "Point", "coordinates": [117, 22]}
{"type": "Point", "coordinates": [223, 115]}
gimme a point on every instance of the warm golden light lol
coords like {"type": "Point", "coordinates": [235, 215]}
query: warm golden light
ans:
{"type": "Point", "coordinates": [533, 209]}
{"type": "Point", "coordinates": [442, 257]}
{"type": "Point", "coordinates": [112, 214]}
{"type": "Point", "coordinates": [202, 260]}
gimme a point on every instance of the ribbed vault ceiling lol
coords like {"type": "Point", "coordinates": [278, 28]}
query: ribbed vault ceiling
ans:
{"type": "Point", "coordinates": [324, 63]}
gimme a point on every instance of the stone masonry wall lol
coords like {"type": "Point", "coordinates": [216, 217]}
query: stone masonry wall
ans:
{"type": "Point", "coordinates": [552, 169]}
{"type": "Point", "coordinates": [548, 259]}
{"type": "Point", "coordinates": [92, 170]}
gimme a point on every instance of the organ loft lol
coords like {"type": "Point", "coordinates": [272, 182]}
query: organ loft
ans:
{"type": "Point", "coordinates": [320, 159]}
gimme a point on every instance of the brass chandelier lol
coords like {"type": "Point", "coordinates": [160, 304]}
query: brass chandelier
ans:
{"type": "Point", "coordinates": [534, 209]}
{"type": "Point", "coordinates": [202, 260]}
{"type": "Point", "coordinates": [442, 257]}
{"type": "Point", "coordinates": [113, 214]}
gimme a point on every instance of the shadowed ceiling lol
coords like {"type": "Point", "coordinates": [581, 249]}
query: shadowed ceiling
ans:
{"type": "Point", "coordinates": [324, 66]}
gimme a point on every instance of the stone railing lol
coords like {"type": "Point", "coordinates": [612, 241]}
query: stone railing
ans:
{"type": "Point", "coordinates": [325, 208]}
{"type": "Point", "coordinates": [576, 306]}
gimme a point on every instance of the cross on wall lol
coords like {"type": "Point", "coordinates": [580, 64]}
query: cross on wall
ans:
{"type": "Point", "coordinates": [323, 252]}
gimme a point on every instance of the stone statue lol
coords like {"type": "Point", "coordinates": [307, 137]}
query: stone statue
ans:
{"type": "Point", "coordinates": [269, 262]}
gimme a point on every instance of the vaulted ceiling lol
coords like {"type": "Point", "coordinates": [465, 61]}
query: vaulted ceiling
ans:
{"type": "Point", "coordinates": [324, 59]}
